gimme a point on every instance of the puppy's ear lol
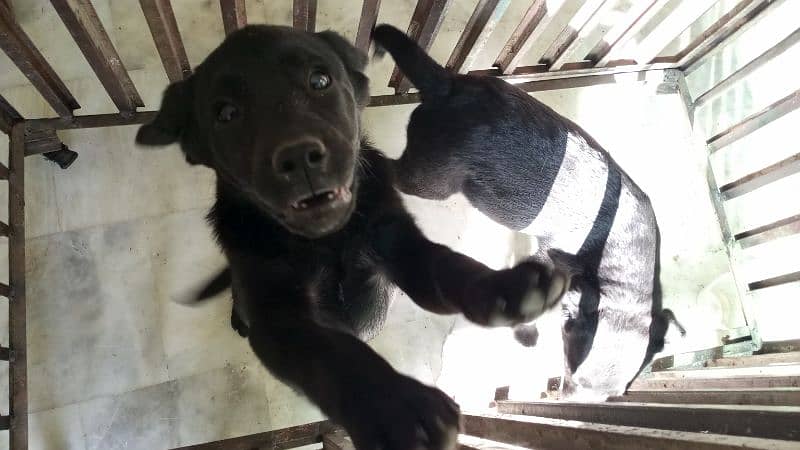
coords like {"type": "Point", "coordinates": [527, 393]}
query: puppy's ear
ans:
{"type": "Point", "coordinates": [172, 118]}
{"type": "Point", "coordinates": [354, 61]}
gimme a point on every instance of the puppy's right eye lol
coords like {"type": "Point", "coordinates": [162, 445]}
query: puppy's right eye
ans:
{"type": "Point", "coordinates": [227, 112]}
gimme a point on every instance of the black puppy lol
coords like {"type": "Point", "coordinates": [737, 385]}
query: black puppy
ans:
{"type": "Point", "coordinates": [316, 236]}
{"type": "Point", "coordinates": [532, 170]}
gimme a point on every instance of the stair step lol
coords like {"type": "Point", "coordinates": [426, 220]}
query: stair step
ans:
{"type": "Point", "coordinates": [466, 442]}
{"type": "Point", "coordinates": [543, 433]}
{"type": "Point", "coordinates": [749, 396]}
{"type": "Point", "coordinates": [772, 422]}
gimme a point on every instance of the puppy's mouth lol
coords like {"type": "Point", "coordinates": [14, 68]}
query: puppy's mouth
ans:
{"type": "Point", "coordinates": [331, 197]}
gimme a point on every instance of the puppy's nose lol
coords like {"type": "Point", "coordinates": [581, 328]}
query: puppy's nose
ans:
{"type": "Point", "coordinates": [295, 157]}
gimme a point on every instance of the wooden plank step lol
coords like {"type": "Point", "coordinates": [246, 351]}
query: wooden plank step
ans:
{"type": "Point", "coordinates": [773, 422]}
{"type": "Point", "coordinates": [466, 442]}
{"type": "Point", "coordinates": [766, 397]}
{"type": "Point", "coordinates": [723, 382]}
{"type": "Point", "coordinates": [544, 433]}
{"type": "Point", "coordinates": [759, 360]}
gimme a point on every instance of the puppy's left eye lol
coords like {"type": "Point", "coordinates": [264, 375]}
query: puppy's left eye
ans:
{"type": "Point", "coordinates": [319, 80]}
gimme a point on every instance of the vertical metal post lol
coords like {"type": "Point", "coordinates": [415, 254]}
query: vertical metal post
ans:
{"type": "Point", "coordinates": [18, 361]}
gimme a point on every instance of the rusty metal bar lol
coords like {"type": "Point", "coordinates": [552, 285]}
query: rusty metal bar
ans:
{"type": "Point", "coordinates": [423, 28]}
{"type": "Point", "coordinates": [540, 432]}
{"type": "Point", "coordinates": [24, 54]}
{"type": "Point", "coordinates": [167, 37]}
{"type": "Point", "coordinates": [8, 116]}
{"type": "Point", "coordinates": [774, 281]}
{"type": "Point", "coordinates": [480, 26]}
{"type": "Point", "coordinates": [754, 122]}
{"type": "Point", "coordinates": [234, 15]}
{"type": "Point", "coordinates": [762, 177]}
{"type": "Point", "coordinates": [620, 32]}
{"type": "Point", "coordinates": [773, 397]}
{"type": "Point", "coordinates": [557, 54]}
{"type": "Point", "coordinates": [81, 20]}
{"type": "Point", "coordinates": [773, 230]}
{"type": "Point", "coordinates": [722, 29]}
{"type": "Point", "coordinates": [775, 51]}
{"type": "Point", "coordinates": [369, 16]}
{"type": "Point", "coordinates": [285, 438]}
{"type": "Point", "coordinates": [764, 422]}
{"type": "Point", "coordinates": [18, 360]}
{"type": "Point", "coordinates": [304, 14]}
{"type": "Point", "coordinates": [740, 29]}
{"type": "Point", "coordinates": [528, 31]}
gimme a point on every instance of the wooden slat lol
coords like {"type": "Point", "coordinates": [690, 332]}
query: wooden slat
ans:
{"type": "Point", "coordinates": [762, 397]}
{"type": "Point", "coordinates": [480, 26]}
{"type": "Point", "coordinates": [775, 51]}
{"type": "Point", "coordinates": [528, 31]}
{"type": "Point", "coordinates": [81, 20]}
{"type": "Point", "coordinates": [4, 353]}
{"type": "Point", "coordinates": [476, 443]}
{"type": "Point", "coordinates": [754, 121]}
{"type": "Point", "coordinates": [772, 422]}
{"type": "Point", "coordinates": [540, 432]}
{"type": "Point", "coordinates": [4, 229]}
{"type": "Point", "coordinates": [304, 14]}
{"type": "Point", "coordinates": [18, 367]}
{"type": "Point", "coordinates": [369, 16]}
{"type": "Point", "coordinates": [762, 177]}
{"type": "Point", "coordinates": [774, 281]}
{"type": "Point", "coordinates": [560, 51]}
{"type": "Point", "coordinates": [5, 291]}
{"type": "Point", "coordinates": [721, 30]}
{"type": "Point", "coordinates": [682, 17]}
{"type": "Point", "coordinates": [773, 230]}
{"type": "Point", "coordinates": [740, 30]}
{"type": "Point", "coordinates": [167, 37]}
{"type": "Point", "coordinates": [4, 422]}
{"type": "Point", "coordinates": [8, 116]}
{"type": "Point", "coordinates": [91, 121]}
{"type": "Point", "coordinates": [285, 438]}
{"type": "Point", "coordinates": [3, 172]}
{"type": "Point", "coordinates": [610, 54]}
{"type": "Point", "coordinates": [21, 50]}
{"type": "Point", "coordinates": [619, 32]}
{"type": "Point", "coordinates": [337, 440]}
{"type": "Point", "coordinates": [423, 28]}
{"type": "Point", "coordinates": [234, 15]}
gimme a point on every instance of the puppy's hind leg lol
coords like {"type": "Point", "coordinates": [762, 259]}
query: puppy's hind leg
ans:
{"type": "Point", "coordinates": [238, 324]}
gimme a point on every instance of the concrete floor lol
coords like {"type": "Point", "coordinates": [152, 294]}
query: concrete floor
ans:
{"type": "Point", "coordinates": [115, 363]}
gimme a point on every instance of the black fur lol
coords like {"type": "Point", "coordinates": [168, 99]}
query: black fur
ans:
{"type": "Point", "coordinates": [508, 154]}
{"type": "Point", "coordinates": [309, 285]}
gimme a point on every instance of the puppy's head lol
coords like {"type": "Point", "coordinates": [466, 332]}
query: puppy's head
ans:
{"type": "Point", "coordinates": [275, 112]}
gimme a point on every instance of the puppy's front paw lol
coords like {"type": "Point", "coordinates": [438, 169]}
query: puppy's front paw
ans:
{"type": "Point", "coordinates": [513, 296]}
{"type": "Point", "coordinates": [407, 415]}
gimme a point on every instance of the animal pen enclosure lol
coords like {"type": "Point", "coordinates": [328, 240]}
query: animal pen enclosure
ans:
{"type": "Point", "coordinates": [743, 392]}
